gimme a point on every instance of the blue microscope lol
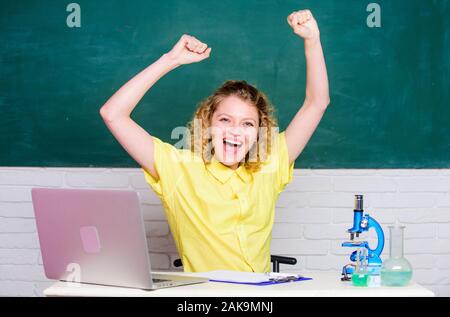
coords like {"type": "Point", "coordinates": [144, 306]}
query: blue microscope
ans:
{"type": "Point", "coordinates": [362, 223]}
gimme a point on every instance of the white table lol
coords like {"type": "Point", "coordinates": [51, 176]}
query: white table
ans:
{"type": "Point", "coordinates": [325, 284]}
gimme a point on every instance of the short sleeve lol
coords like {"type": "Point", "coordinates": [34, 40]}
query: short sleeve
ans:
{"type": "Point", "coordinates": [285, 170]}
{"type": "Point", "coordinates": [166, 161]}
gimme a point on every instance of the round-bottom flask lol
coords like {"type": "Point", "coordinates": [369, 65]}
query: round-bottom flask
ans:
{"type": "Point", "coordinates": [396, 271]}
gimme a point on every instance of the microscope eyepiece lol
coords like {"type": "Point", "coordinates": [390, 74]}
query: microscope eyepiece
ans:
{"type": "Point", "coordinates": [359, 202]}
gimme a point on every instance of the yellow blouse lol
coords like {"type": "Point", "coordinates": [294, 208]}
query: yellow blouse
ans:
{"type": "Point", "coordinates": [220, 218]}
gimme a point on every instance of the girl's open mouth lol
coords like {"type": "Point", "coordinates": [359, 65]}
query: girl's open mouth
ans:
{"type": "Point", "coordinates": [231, 147]}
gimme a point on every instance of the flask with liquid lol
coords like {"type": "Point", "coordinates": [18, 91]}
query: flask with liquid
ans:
{"type": "Point", "coordinates": [396, 271]}
{"type": "Point", "coordinates": [360, 276]}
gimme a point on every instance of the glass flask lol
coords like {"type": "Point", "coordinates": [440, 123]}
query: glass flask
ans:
{"type": "Point", "coordinates": [360, 276]}
{"type": "Point", "coordinates": [396, 271]}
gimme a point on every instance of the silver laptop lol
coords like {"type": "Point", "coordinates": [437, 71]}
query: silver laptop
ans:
{"type": "Point", "coordinates": [97, 237]}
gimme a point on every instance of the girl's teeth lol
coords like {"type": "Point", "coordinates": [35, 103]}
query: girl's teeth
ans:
{"type": "Point", "coordinates": [232, 143]}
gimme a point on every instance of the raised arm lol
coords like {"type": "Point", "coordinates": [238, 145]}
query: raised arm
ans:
{"type": "Point", "coordinates": [305, 122]}
{"type": "Point", "coordinates": [116, 112]}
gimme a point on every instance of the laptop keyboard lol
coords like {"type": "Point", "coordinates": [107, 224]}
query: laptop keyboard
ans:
{"type": "Point", "coordinates": [157, 280]}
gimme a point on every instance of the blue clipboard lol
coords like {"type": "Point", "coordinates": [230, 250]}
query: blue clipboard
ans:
{"type": "Point", "coordinates": [273, 282]}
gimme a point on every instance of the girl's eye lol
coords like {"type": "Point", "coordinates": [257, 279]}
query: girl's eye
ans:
{"type": "Point", "coordinates": [247, 124]}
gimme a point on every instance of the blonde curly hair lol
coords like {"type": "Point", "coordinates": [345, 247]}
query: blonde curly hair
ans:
{"type": "Point", "coordinates": [201, 142]}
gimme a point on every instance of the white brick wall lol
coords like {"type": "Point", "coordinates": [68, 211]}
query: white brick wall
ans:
{"type": "Point", "coordinates": [312, 216]}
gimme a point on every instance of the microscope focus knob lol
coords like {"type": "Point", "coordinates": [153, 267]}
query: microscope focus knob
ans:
{"type": "Point", "coordinates": [364, 223]}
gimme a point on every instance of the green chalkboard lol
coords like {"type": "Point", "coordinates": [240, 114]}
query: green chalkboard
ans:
{"type": "Point", "coordinates": [389, 85]}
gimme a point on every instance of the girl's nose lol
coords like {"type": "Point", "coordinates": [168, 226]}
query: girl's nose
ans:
{"type": "Point", "coordinates": [235, 131]}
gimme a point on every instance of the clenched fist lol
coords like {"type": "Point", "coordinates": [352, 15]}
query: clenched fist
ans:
{"type": "Point", "coordinates": [304, 24]}
{"type": "Point", "coordinates": [189, 50]}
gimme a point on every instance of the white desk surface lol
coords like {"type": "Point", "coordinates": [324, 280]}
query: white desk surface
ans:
{"type": "Point", "coordinates": [326, 284]}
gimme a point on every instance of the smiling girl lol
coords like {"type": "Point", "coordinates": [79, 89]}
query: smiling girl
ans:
{"type": "Point", "coordinates": [219, 194]}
